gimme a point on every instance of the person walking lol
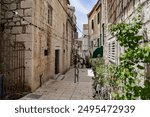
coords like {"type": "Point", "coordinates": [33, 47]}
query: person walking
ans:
{"type": "Point", "coordinates": [82, 62]}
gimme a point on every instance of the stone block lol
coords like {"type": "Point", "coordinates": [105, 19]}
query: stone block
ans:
{"type": "Point", "coordinates": [28, 29]}
{"type": "Point", "coordinates": [11, 24]}
{"type": "Point", "coordinates": [6, 36]}
{"type": "Point", "coordinates": [28, 62]}
{"type": "Point", "coordinates": [28, 54]}
{"type": "Point", "coordinates": [16, 30]}
{"type": "Point", "coordinates": [145, 15]}
{"type": "Point", "coordinates": [28, 70]}
{"type": "Point", "coordinates": [20, 12]}
{"type": "Point", "coordinates": [3, 21]}
{"type": "Point", "coordinates": [28, 45]}
{"type": "Point", "coordinates": [27, 12]}
{"type": "Point", "coordinates": [26, 20]}
{"type": "Point", "coordinates": [2, 16]}
{"type": "Point", "coordinates": [148, 31]}
{"type": "Point", "coordinates": [13, 6]}
{"type": "Point", "coordinates": [142, 1]}
{"type": "Point", "coordinates": [18, 23]}
{"type": "Point", "coordinates": [28, 67]}
{"type": "Point", "coordinates": [13, 37]}
{"type": "Point", "coordinates": [9, 14]}
{"type": "Point", "coordinates": [124, 3]}
{"type": "Point", "coordinates": [24, 37]}
{"type": "Point", "coordinates": [7, 30]}
{"type": "Point", "coordinates": [15, 19]}
{"type": "Point", "coordinates": [26, 4]}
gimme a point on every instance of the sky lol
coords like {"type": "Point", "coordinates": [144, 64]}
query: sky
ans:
{"type": "Point", "coordinates": [83, 7]}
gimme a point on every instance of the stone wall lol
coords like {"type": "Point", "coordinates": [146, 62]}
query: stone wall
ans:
{"type": "Point", "coordinates": [1, 16]}
{"type": "Point", "coordinates": [57, 36]}
{"type": "Point", "coordinates": [104, 30]}
{"type": "Point", "coordinates": [94, 34]}
{"type": "Point", "coordinates": [125, 10]}
{"type": "Point", "coordinates": [27, 21]}
{"type": "Point", "coordinates": [18, 30]}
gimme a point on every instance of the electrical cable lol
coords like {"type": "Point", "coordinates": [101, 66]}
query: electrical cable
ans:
{"type": "Point", "coordinates": [42, 29]}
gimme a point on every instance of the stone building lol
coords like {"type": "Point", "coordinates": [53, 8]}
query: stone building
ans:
{"type": "Point", "coordinates": [85, 45]}
{"type": "Point", "coordinates": [113, 11]}
{"type": "Point", "coordinates": [36, 40]}
{"type": "Point", "coordinates": [96, 27]}
{"type": "Point", "coordinates": [82, 43]}
{"type": "Point", "coordinates": [123, 11]}
{"type": "Point", "coordinates": [78, 46]}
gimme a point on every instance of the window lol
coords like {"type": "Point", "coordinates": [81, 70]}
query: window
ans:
{"type": "Point", "coordinates": [98, 42]}
{"type": "Point", "coordinates": [92, 24]}
{"type": "Point", "coordinates": [98, 18]}
{"type": "Point", "coordinates": [48, 44]}
{"type": "Point", "coordinates": [50, 14]}
{"type": "Point", "coordinates": [92, 44]}
{"type": "Point", "coordinates": [112, 51]}
{"type": "Point", "coordinates": [67, 30]}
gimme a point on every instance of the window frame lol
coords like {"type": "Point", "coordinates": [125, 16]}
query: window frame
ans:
{"type": "Point", "coordinates": [92, 24]}
{"type": "Point", "coordinates": [112, 51]}
{"type": "Point", "coordinates": [50, 15]}
{"type": "Point", "coordinates": [98, 18]}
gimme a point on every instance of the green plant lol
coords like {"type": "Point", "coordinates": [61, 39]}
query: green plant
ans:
{"type": "Point", "coordinates": [132, 62]}
{"type": "Point", "coordinates": [103, 76]}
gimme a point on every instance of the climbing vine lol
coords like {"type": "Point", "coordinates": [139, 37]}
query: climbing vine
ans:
{"type": "Point", "coordinates": [130, 75]}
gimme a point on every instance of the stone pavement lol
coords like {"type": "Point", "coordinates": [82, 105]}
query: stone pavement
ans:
{"type": "Point", "coordinates": [65, 89]}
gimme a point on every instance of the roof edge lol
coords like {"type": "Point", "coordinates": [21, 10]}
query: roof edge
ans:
{"type": "Point", "coordinates": [68, 1]}
{"type": "Point", "coordinates": [89, 14]}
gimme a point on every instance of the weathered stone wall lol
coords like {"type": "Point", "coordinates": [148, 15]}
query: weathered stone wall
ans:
{"type": "Point", "coordinates": [104, 23]}
{"type": "Point", "coordinates": [94, 35]}
{"type": "Point", "coordinates": [96, 32]}
{"type": "Point", "coordinates": [18, 30]}
{"type": "Point", "coordinates": [1, 16]}
{"type": "Point", "coordinates": [30, 26]}
{"type": "Point", "coordinates": [125, 10]}
{"type": "Point", "coordinates": [54, 37]}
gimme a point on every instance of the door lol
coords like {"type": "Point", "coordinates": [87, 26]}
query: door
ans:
{"type": "Point", "coordinates": [57, 57]}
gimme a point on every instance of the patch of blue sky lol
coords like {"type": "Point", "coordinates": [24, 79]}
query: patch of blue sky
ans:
{"type": "Point", "coordinates": [83, 7]}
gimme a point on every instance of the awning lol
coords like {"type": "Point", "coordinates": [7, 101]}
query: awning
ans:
{"type": "Point", "coordinates": [98, 52]}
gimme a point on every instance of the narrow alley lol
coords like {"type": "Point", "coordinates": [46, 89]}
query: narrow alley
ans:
{"type": "Point", "coordinates": [42, 42]}
{"type": "Point", "coordinates": [64, 88]}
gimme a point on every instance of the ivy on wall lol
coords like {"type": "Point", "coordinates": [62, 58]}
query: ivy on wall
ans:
{"type": "Point", "coordinates": [130, 76]}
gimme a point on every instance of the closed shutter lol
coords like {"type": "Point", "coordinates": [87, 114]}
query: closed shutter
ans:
{"type": "Point", "coordinates": [112, 51]}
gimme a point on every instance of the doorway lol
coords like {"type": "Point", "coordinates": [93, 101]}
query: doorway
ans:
{"type": "Point", "coordinates": [57, 58]}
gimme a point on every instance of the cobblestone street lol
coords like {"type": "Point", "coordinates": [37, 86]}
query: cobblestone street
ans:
{"type": "Point", "coordinates": [64, 88]}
